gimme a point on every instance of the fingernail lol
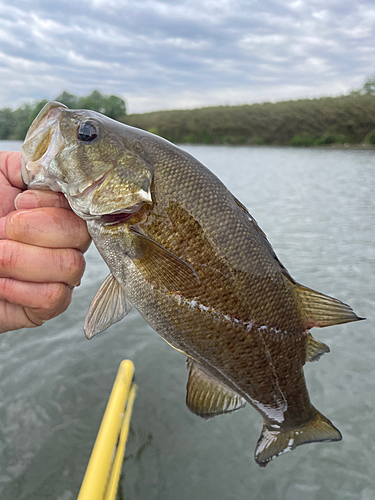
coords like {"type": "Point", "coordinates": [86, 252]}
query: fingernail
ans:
{"type": "Point", "coordinates": [25, 200]}
{"type": "Point", "coordinates": [2, 228]}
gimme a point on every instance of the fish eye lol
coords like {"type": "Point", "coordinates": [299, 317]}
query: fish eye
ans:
{"type": "Point", "coordinates": [87, 131]}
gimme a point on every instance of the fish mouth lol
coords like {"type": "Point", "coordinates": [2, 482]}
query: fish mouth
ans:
{"type": "Point", "coordinates": [120, 216]}
{"type": "Point", "coordinates": [42, 142]}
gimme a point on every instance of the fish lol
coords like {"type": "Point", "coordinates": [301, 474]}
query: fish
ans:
{"type": "Point", "coordinates": [187, 254]}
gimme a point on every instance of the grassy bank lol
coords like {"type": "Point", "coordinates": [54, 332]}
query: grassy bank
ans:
{"type": "Point", "coordinates": [305, 122]}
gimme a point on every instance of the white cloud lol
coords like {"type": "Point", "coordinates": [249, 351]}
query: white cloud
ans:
{"type": "Point", "coordinates": [159, 54]}
{"type": "Point", "coordinates": [253, 41]}
{"type": "Point", "coordinates": [313, 65]}
{"type": "Point", "coordinates": [79, 60]}
{"type": "Point", "coordinates": [322, 15]}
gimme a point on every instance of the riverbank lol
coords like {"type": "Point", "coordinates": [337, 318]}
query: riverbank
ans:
{"type": "Point", "coordinates": [306, 122]}
{"type": "Point", "coordinates": [345, 121]}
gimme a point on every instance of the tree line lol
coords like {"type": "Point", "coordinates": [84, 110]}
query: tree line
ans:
{"type": "Point", "coordinates": [347, 119]}
{"type": "Point", "coordinates": [305, 122]}
{"type": "Point", "coordinates": [15, 123]}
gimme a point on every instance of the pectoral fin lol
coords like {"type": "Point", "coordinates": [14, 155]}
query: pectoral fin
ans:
{"type": "Point", "coordinates": [108, 306]}
{"type": "Point", "coordinates": [322, 310]}
{"type": "Point", "coordinates": [206, 397]}
{"type": "Point", "coordinates": [160, 267]}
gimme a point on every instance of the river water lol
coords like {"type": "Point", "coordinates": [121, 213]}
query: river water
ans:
{"type": "Point", "coordinates": [317, 208]}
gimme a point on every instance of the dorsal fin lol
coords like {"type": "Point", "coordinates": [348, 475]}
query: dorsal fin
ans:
{"type": "Point", "coordinates": [314, 348]}
{"type": "Point", "coordinates": [322, 310]}
{"type": "Point", "coordinates": [206, 397]}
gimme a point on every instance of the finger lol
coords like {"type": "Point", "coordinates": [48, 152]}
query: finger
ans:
{"type": "Point", "coordinates": [25, 304]}
{"type": "Point", "coordinates": [11, 166]}
{"type": "Point", "coordinates": [37, 199]}
{"type": "Point", "coordinates": [46, 227]}
{"type": "Point", "coordinates": [30, 263]}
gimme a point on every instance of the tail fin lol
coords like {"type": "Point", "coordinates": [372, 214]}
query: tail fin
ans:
{"type": "Point", "coordinates": [271, 444]}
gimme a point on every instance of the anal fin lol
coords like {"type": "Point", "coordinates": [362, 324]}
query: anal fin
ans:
{"type": "Point", "coordinates": [108, 306]}
{"type": "Point", "coordinates": [207, 397]}
{"type": "Point", "coordinates": [314, 348]}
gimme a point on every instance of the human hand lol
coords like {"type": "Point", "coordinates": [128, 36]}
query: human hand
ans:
{"type": "Point", "coordinates": [41, 250]}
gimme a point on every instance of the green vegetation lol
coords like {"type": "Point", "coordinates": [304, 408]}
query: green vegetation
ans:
{"type": "Point", "coordinates": [370, 137]}
{"type": "Point", "coordinates": [14, 124]}
{"type": "Point", "coordinates": [348, 119]}
{"type": "Point", "coordinates": [112, 106]}
{"type": "Point", "coordinates": [327, 138]}
{"type": "Point", "coordinates": [305, 122]}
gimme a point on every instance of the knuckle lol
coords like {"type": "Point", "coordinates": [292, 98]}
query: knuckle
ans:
{"type": "Point", "coordinates": [8, 255]}
{"type": "Point", "coordinates": [55, 295]}
{"type": "Point", "coordinates": [16, 228]}
{"type": "Point", "coordinates": [57, 298]}
{"type": "Point", "coordinates": [34, 318]}
{"type": "Point", "coordinates": [76, 264]}
{"type": "Point", "coordinates": [82, 236]}
{"type": "Point", "coordinates": [7, 287]}
{"type": "Point", "coordinates": [85, 240]}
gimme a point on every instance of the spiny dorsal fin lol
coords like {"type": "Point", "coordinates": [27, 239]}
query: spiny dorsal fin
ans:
{"type": "Point", "coordinates": [160, 267]}
{"type": "Point", "coordinates": [314, 348]}
{"type": "Point", "coordinates": [273, 443]}
{"type": "Point", "coordinates": [207, 397]}
{"type": "Point", "coordinates": [108, 306]}
{"type": "Point", "coordinates": [322, 310]}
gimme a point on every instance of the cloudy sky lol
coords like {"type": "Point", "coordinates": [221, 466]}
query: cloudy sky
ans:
{"type": "Point", "coordinates": [165, 54]}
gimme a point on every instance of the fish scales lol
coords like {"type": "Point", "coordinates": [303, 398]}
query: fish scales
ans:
{"type": "Point", "coordinates": [228, 237]}
{"type": "Point", "coordinates": [189, 256]}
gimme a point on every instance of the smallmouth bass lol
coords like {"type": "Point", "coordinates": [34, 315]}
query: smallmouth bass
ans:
{"type": "Point", "coordinates": [189, 256]}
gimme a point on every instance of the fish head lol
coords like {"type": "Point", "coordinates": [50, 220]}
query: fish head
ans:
{"type": "Point", "coordinates": [83, 154]}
